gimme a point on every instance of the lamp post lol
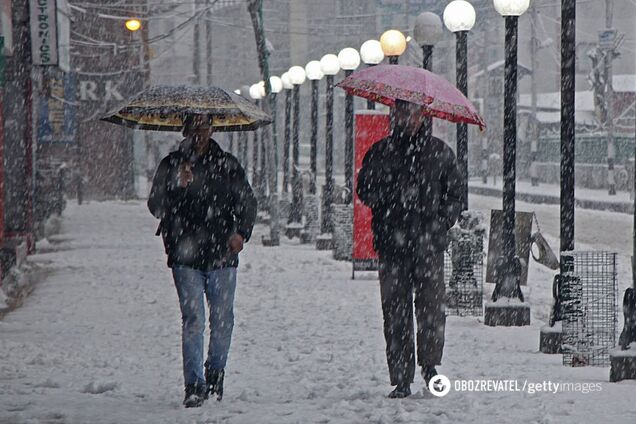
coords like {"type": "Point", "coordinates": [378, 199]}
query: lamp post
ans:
{"type": "Point", "coordinates": [393, 45]}
{"type": "Point", "coordinates": [349, 60]}
{"type": "Point", "coordinates": [459, 17]}
{"type": "Point", "coordinates": [263, 173]}
{"type": "Point", "coordinates": [314, 74]}
{"type": "Point", "coordinates": [243, 147]}
{"type": "Point", "coordinates": [427, 32]}
{"type": "Point", "coordinates": [330, 66]}
{"type": "Point", "coordinates": [232, 142]}
{"type": "Point", "coordinates": [255, 94]}
{"type": "Point", "coordinates": [277, 85]}
{"type": "Point", "coordinates": [297, 78]}
{"type": "Point", "coordinates": [287, 86]}
{"type": "Point", "coordinates": [568, 72]}
{"type": "Point", "coordinates": [371, 53]}
{"type": "Point", "coordinates": [550, 338]}
{"type": "Point", "coordinates": [508, 267]}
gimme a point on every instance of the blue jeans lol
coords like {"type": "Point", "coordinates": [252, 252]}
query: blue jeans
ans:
{"type": "Point", "coordinates": [218, 286]}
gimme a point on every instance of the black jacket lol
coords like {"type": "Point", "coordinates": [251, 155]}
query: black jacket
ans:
{"type": "Point", "coordinates": [414, 191]}
{"type": "Point", "coordinates": [197, 221]}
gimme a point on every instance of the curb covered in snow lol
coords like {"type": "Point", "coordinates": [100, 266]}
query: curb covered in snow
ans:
{"type": "Point", "coordinates": [620, 207]}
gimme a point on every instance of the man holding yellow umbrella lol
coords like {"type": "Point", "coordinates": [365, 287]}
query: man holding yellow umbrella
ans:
{"type": "Point", "coordinates": [207, 211]}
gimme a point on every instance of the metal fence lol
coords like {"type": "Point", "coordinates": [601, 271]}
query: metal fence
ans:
{"type": "Point", "coordinates": [589, 301]}
{"type": "Point", "coordinates": [464, 276]}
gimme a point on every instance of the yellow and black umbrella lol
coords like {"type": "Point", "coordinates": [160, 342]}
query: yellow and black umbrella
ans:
{"type": "Point", "coordinates": [164, 108]}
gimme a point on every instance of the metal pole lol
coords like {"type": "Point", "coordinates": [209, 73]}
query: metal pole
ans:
{"type": "Point", "coordinates": [2, 76]}
{"type": "Point", "coordinates": [534, 133]}
{"type": "Point", "coordinates": [327, 222]}
{"type": "Point", "coordinates": [274, 189]}
{"type": "Point", "coordinates": [230, 137]}
{"type": "Point", "coordinates": [209, 53]}
{"type": "Point", "coordinates": [393, 60]}
{"type": "Point", "coordinates": [349, 122]}
{"type": "Point", "coordinates": [255, 161]}
{"type": "Point", "coordinates": [568, 69]}
{"type": "Point", "coordinates": [296, 212]}
{"type": "Point", "coordinates": [287, 140]}
{"type": "Point", "coordinates": [510, 139]}
{"type": "Point", "coordinates": [427, 54]}
{"type": "Point", "coordinates": [371, 103]}
{"type": "Point", "coordinates": [461, 57]}
{"type": "Point", "coordinates": [427, 63]}
{"type": "Point", "coordinates": [262, 176]}
{"type": "Point", "coordinates": [196, 50]}
{"type": "Point", "coordinates": [486, 104]}
{"type": "Point", "coordinates": [609, 100]}
{"type": "Point", "coordinates": [242, 141]}
{"type": "Point", "coordinates": [314, 136]}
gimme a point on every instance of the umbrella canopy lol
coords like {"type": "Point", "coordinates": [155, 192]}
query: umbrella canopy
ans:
{"type": "Point", "coordinates": [164, 108]}
{"type": "Point", "coordinates": [387, 83]}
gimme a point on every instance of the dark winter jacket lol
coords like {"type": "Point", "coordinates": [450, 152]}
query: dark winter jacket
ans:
{"type": "Point", "coordinates": [414, 191]}
{"type": "Point", "coordinates": [197, 221]}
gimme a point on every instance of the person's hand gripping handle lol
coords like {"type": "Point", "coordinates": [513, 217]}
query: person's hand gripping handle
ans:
{"type": "Point", "coordinates": [185, 174]}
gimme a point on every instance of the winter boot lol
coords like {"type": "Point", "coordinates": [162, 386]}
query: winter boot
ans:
{"type": "Point", "coordinates": [195, 395]}
{"type": "Point", "coordinates": [214, 380]}
{"type": "Point", "coordinates": [401, 391]}
{"type": "Point", "coordinates": [428, 372]}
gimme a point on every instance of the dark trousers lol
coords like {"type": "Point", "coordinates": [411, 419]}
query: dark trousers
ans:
{"type": "Point", "coordinates": [401, 278]}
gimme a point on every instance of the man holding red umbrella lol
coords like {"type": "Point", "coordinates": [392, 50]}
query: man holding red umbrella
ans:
{"type": "Point", "coordinates": [413, 186]}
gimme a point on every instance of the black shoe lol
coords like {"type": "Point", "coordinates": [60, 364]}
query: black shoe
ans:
{"type": "Point", "coordinates": [401, 391]}
{"type": "Point", "coordinates": [214, 380]}
{"type": "Point", "coordinates": [428, 372]}
{"type": "Point", "coordinates": [195, 395]}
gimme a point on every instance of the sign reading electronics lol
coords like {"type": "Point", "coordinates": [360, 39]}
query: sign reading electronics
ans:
{"type": "Point", "coordinates": [43, 32]}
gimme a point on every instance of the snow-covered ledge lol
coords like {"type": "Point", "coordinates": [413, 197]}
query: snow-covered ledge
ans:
{"type": "Point", "coordinates": [507, 312]}
{"type": "Point", "coordinates": [623, 364]}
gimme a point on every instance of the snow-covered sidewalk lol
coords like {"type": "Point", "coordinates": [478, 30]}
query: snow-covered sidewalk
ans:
{"type": "Point", "coordinates": [99, 342]}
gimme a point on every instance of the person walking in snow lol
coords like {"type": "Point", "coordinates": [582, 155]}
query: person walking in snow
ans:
{"type": "Point", "coordinates": [413, 186]}
{"type": "Point", "coordinates": [207, 211]}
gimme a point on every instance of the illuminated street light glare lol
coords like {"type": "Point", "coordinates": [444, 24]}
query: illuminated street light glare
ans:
{"type": "Point", "coordinates": [133, 25]}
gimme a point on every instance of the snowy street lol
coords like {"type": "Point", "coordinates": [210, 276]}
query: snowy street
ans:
{"type": "Point", "coordinates": [99, 340]}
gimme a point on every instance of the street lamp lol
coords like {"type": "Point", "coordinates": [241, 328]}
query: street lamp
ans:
{"type": "Point", "coordinates": [232, 145]}
{"type": "Point", "coordinates": [459, 17]}
{"type": "Point", "coordinates": [349, 60]}
{"type": "Point", "coordinates": [550, 338]}
{"type": "Point", "coordinates": [371, 53]}
{"type": "Point", "coordinates": [330, 66]}
{"type": "Point", "coordinates": [287, 86]}
{"type": "Point", "coordinates": [393, 45]}
{"type": "Point", "coordinates": [427, 32]}
{"type": "Point", "coordinates": [243, 147]}
{"type": "Point", "coordinates": [314, 74]}
{"type": "Point", "coordinates": [508, 267]}
{"type": "Point", "coordinates": [255, 94]}
{"type": "Point", "coordinates": [133, 25]}
{"type": "Point", "coordinates": [277, 85]}
{"type": "Point", "coordinates": [262, 186]}
{"type": "Point", "coordinates": [297, 77]}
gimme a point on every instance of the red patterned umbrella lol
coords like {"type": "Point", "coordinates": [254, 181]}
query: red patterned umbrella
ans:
{"type": "Point", "coordinates": [387, 83]}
